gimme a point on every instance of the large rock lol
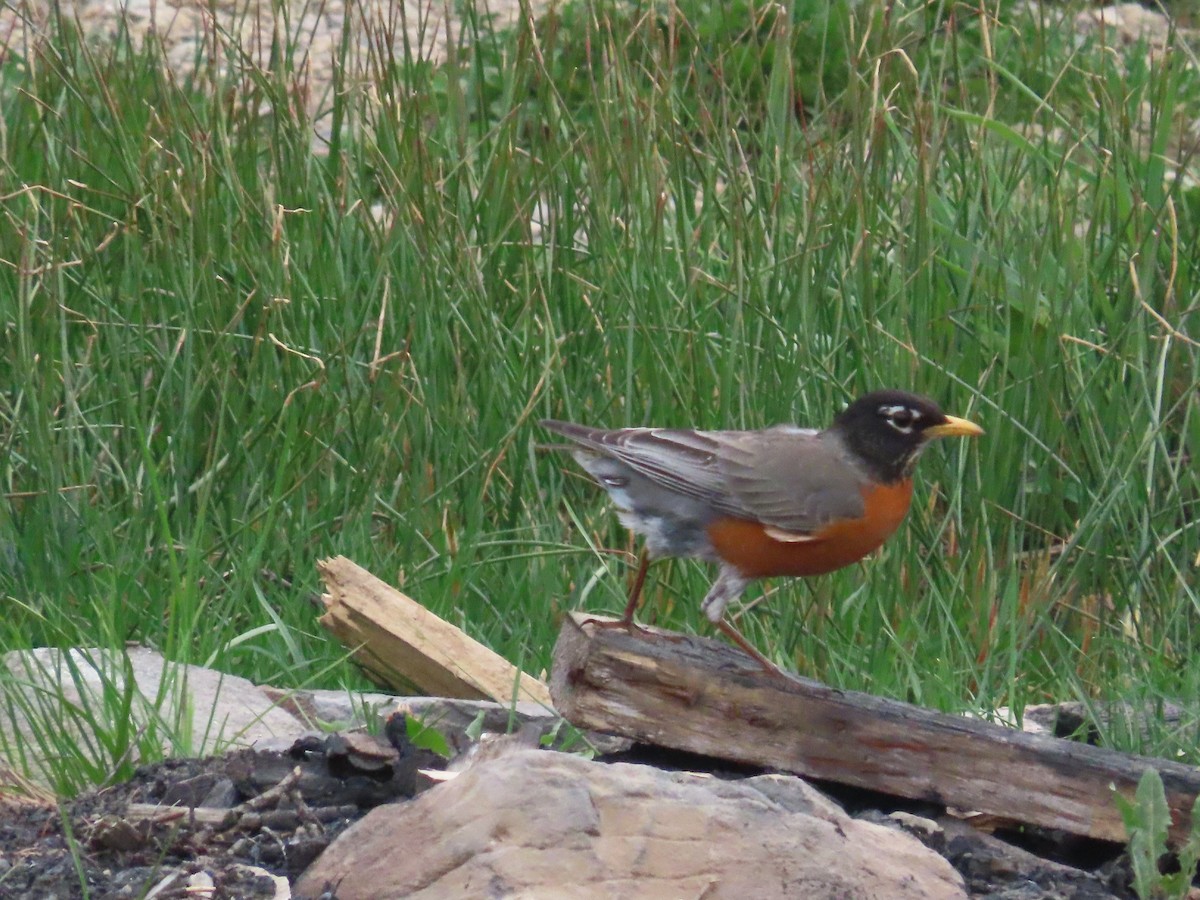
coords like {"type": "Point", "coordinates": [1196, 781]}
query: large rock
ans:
{"type": "Point", "coordinates": [48, 695]}
{"type": "Point", "coordinates": [54, 698]}
{"type": "Point", "coordinates": [539, 825]}
{"type": "Point", "coordinates": [51, 699]}
{"type": "Point", "coordinates": [1124, 24]}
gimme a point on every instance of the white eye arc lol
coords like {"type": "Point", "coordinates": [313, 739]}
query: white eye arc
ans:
{"type": "Point", "coordinates": [903, 418]}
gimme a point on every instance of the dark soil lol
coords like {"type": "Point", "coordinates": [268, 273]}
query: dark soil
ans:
{"type": "Point", "coordinates": [268, 813]}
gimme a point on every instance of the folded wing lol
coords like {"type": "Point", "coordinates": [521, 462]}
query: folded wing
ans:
{"type": "Point", "coordinates": [793, 480]}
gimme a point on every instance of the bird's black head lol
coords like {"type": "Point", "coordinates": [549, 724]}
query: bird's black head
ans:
{"type": "Point", "coordinates": [889, 429]}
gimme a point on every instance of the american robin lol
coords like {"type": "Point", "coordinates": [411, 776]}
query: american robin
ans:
{"type": "Point", "coordinates": [782, 501]}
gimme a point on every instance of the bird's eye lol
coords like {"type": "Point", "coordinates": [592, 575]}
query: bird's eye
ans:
{"type": "Point", "coordinates": [902, 418]}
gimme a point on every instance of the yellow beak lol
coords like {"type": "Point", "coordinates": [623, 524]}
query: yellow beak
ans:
{"type": "Point", "coordinates": [953, 427]}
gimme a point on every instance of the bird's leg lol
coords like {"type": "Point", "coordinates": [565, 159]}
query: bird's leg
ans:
{"type": "Point", "coordinates": [740, 639]}
{"type": "Point", "coordinates": [635, 590]}
{"type": "Point", "coordinates": [635, 595]}
{"type": "Point", "coordinates": [729, 586]}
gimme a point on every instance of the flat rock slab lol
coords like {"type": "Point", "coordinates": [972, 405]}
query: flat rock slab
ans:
{"type": "Point", "coordinates": [535, 824]}
{"type": "Point", "coordinates": [187, 710]}
{"type": "Point", "coordinates": [193, 711]}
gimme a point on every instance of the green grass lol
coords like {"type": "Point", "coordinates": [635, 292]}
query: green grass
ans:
{"type": "Point", "coordinates": [227, 357]}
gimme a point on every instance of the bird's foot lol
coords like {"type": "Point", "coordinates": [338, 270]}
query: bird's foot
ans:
{"type": "Point", "coordinates": [626, 624]}
{"type": "Point", "coordinates": [634, 629]}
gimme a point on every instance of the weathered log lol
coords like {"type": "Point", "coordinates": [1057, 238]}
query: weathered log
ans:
{"type": "Point", "coordinates": [702, 696]}
{"type": "Point", "coordinates": [405, 646]}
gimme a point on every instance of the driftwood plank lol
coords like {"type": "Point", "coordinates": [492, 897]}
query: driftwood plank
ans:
{"type": "Point", "coordinates": [405, 646]}
{"type": "Point", "coordinates": [699, 695]}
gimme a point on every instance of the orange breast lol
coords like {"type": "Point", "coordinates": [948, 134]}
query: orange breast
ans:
{"type": "Point", "coordinates": [747, 545]}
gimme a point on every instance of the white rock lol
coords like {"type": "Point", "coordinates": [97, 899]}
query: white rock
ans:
{"type": "Point", "coordinates": [535, 824]}
{"type": "Point", "coordinates": [1125, 23]}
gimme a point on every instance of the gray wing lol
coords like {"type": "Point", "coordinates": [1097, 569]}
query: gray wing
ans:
{"type": "Point", "coordinates": [792, 479]}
